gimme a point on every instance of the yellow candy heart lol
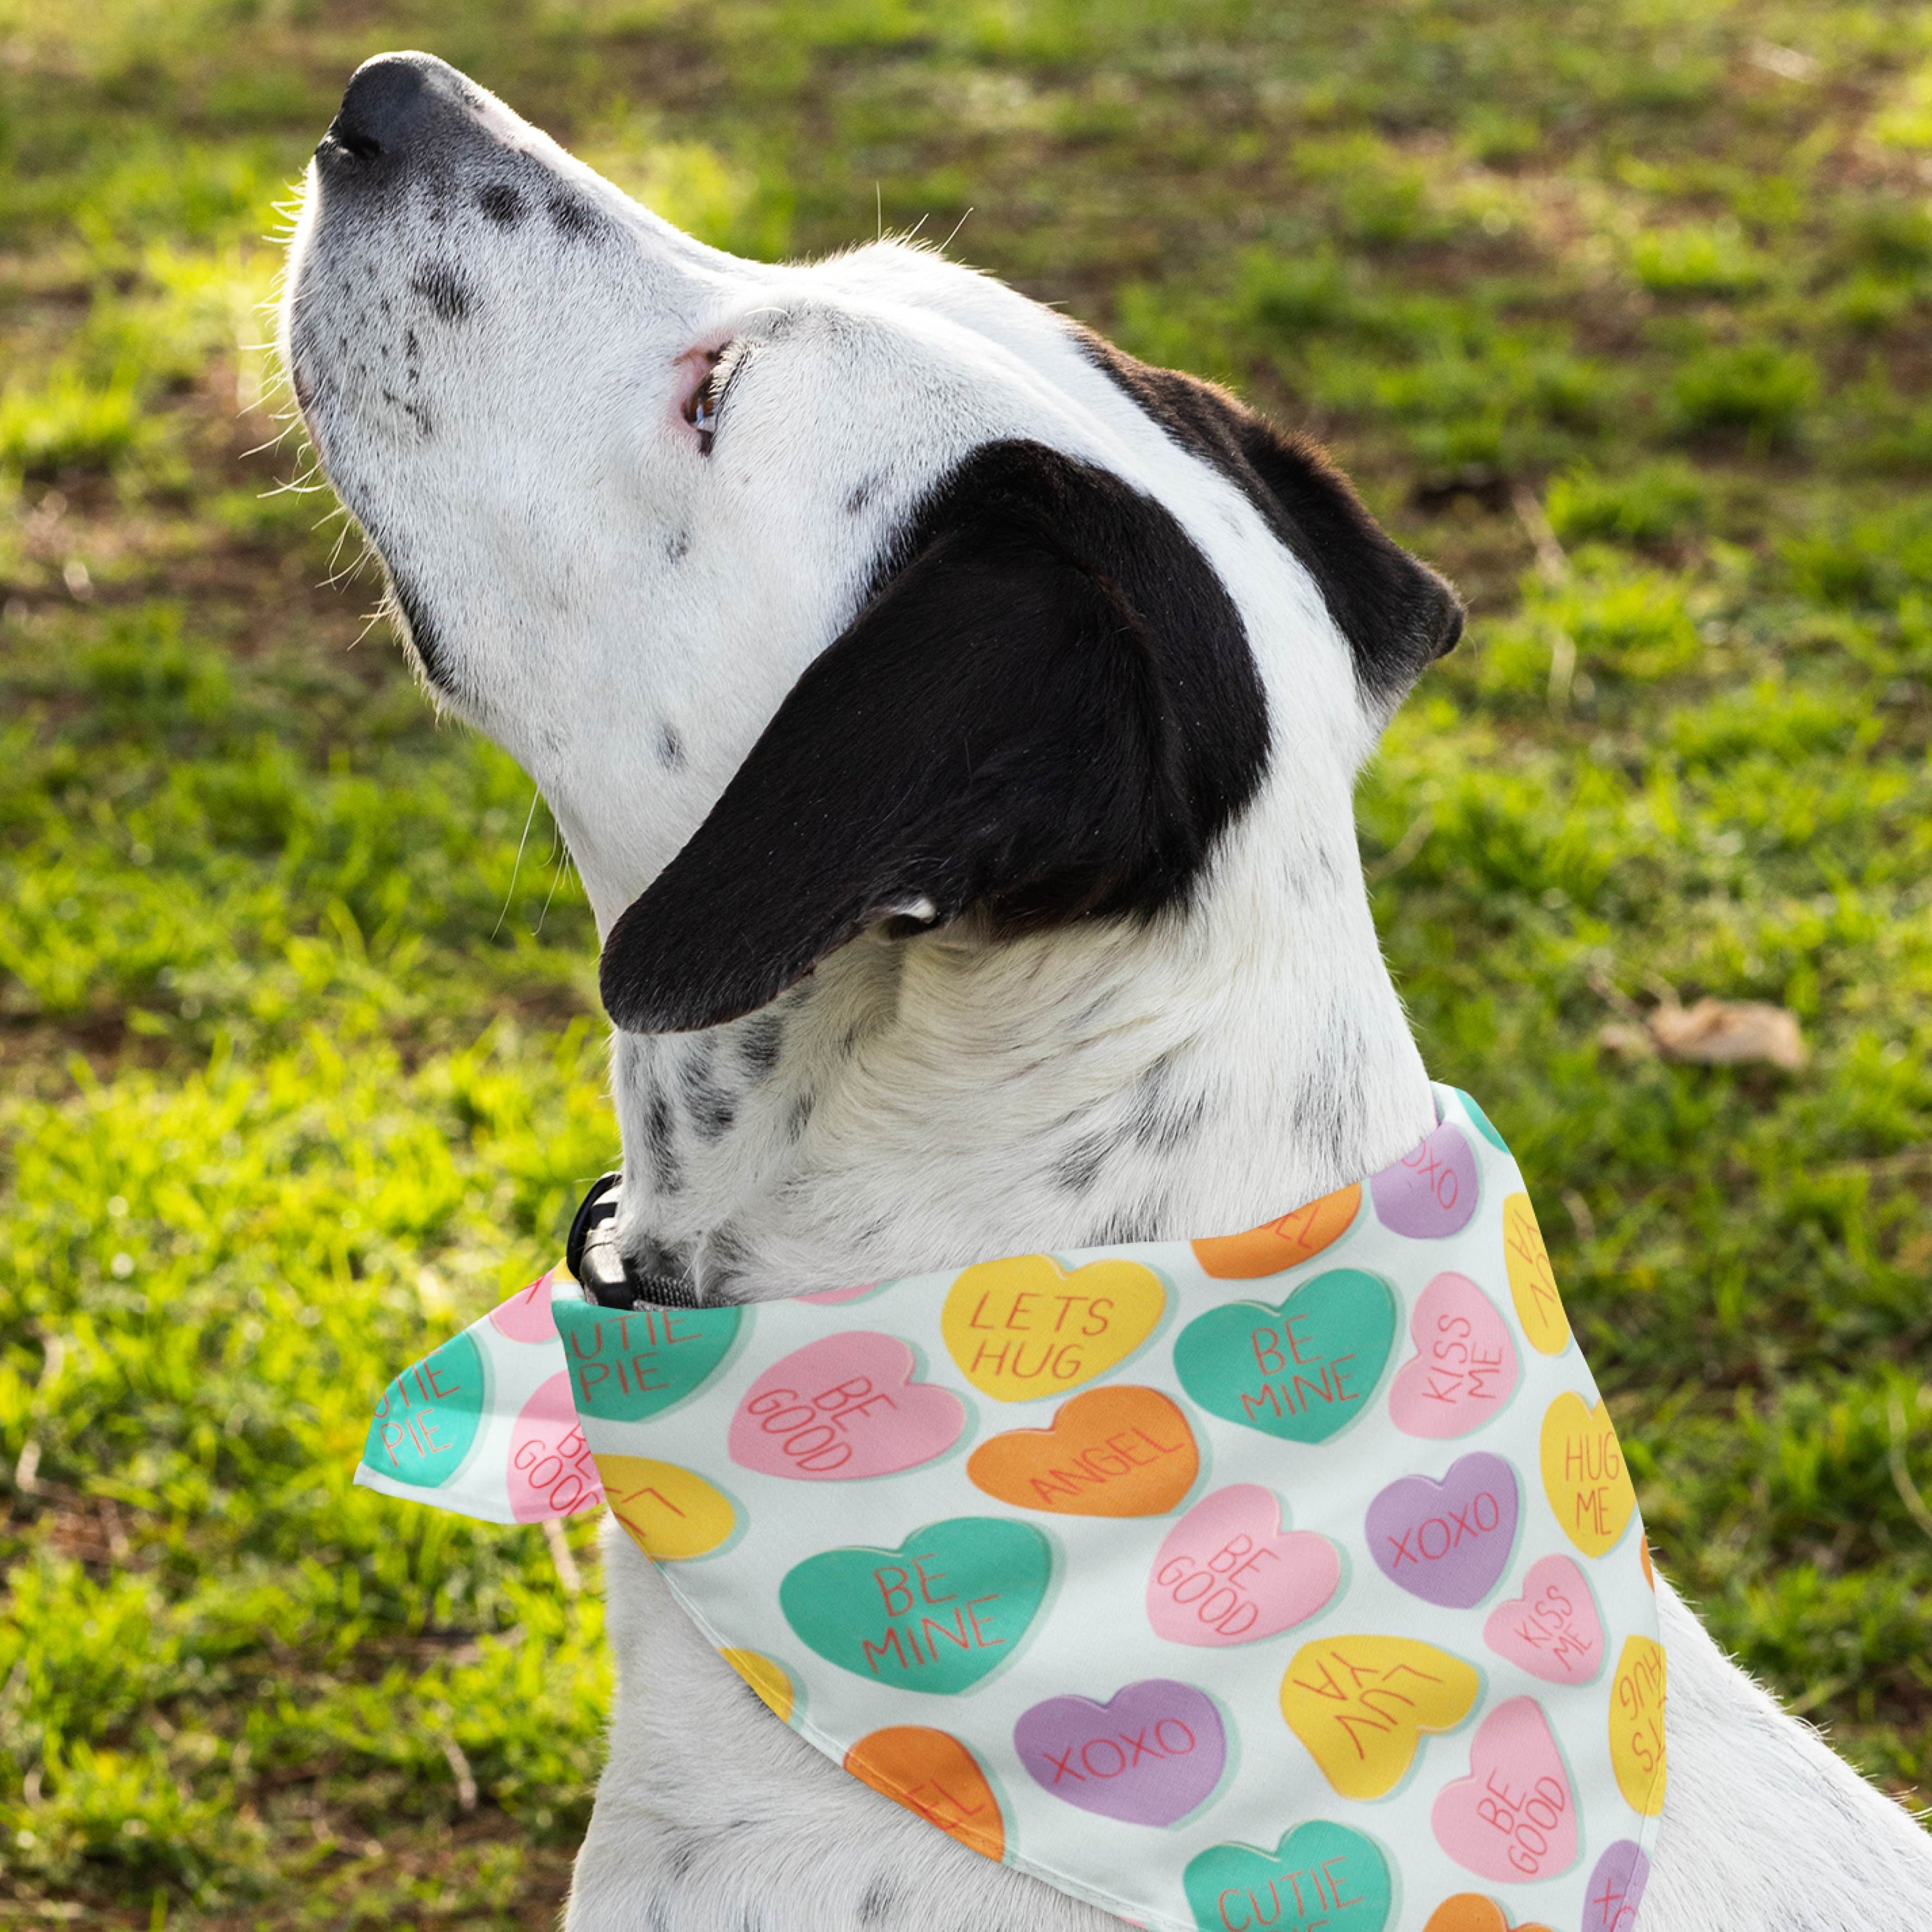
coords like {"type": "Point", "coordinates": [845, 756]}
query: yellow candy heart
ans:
{"type": "Point", "coordinates": [671, 1513]}
{"type": "Point", "coordinates": [767, 1679]}
{"type": "Point", "coordinates": [1539, 1307]}
{"type": "Point", "coordinates": [1360, 1705]}
{"type": "Point", "coordinates": [1583, 1474]}
{"type": "Point", "coordinates": [1636, 1725]}
{"type": "Point", "coordinates": [1025, 1328]}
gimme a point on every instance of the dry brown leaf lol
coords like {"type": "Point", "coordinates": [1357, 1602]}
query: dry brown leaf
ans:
{"type": "Point", "coordinates": [1729, 1033]}
{"type": "Point", "coordinates": [1632, 1042]}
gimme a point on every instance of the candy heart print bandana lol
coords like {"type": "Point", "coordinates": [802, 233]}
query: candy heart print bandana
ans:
{"type": "Point", "coordinates": [1289, 1579]}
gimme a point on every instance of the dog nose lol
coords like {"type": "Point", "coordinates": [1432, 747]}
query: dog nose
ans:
{"type": "Point", "coordinates": [389, 102]}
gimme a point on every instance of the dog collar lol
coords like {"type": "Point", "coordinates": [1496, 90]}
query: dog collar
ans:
{"type": "Point", "coordinates": [609, 1276]}
{"type": "Point", "coordinates": [1291, 1579]}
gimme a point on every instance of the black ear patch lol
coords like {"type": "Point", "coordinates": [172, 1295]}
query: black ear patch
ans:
{"type": "Point", "coordinates": [1045, 711]}
{"type": "Point", "coordinates": [1396, 613]}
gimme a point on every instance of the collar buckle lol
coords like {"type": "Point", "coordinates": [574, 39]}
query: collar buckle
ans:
{"type": "Point", "coordinates": [609, 1276]}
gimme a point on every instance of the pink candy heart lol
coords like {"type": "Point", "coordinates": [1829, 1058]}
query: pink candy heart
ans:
{"type": "Point", "coordinates": [551, 1472]}
{"type": "Point", "coordinates": [846, 1407]}
{"type": "Point", "coordinates": [1553, 1630]}
{"type": "Point", "coordinates": [1512, 1818]}
{"type": "Point", "coordinates": [1228, 1574]}
{"type": "Point", "coordinates": [1465, 1364]}
{"type": "Point", "coordinates": [526, 1316]}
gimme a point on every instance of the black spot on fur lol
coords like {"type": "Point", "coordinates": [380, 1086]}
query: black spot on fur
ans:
{"type": "Point", "coordinates": [419, 414]}
{"type": "Point", "coordinates": [721, 1263]}
{"type": "Point", "coordinates": [760, 1043]}
{"type": "Point", "coordinates": [1328, 1109]}
{"type": "Point", "coordinates": [502, 203]}
{"type": "Point", "coordinates": [677, 546]}
{"type": "Point", "coordinates": [1396, 613]}
{"type": "Point", "coordinates": [680, 1857]}
{"type": "Point", "coordinates": [1047, 710]}
{"type": "Point", "coordinates": [670, 748]}
{"type": "Point", "coordinates": [575, 220]}
{"type": "Point", "coordinates": [661, 1141]}
{"type": "Point", "coordinates": [1136, 1224]}
{"type": "Point", "coordinates": [1166, 1129]}
{"type": "Point", "coordinates": [1162, 1122]}
{"type": "Point", "coordinates": [445, 291]}
{"type": "Point", "coordinates": [857, 501]}
{"type": "Point", "coordinates": [423, 637]}
{"type": "Point", "coordinates": [411, 345]}
{"type": "Point", "coordinates": [799, 1117]}
{"type": "Point", "coordinates": [694, 1067]}
{"type": "Point", "coordinates": [1089, 1015]}
{"type": "Point", "coordinates": [881, 1900]}
{"type": "Point", "coordinates": [712, 1109]}
{"type": "Point", "coordinates": [1079, 1167]}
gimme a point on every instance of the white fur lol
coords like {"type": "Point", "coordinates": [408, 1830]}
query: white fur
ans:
{"type": "Point", "coordinates": [603, 593]}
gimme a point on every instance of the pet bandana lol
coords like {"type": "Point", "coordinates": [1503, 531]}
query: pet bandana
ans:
{"type": "Point", "coordinates": [1289, 1579]}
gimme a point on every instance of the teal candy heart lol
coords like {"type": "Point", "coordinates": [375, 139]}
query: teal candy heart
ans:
{"type": "Point", "coordinates": [428, 1419]}
{"type": "Point", "coordinates": [1485, 1125]}
{"type": "Point", "coordinates": [1303, 1368]}
{"type": "Point", "coordinates": [945, 1608]}
{"type": "Point", "coordinates": [1319, 1875]}
{"type": "Point", "coordinates": [626, 1364]}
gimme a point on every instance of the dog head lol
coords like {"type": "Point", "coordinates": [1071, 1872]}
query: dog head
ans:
{"type": "Point", "coordinates": [816, 598]}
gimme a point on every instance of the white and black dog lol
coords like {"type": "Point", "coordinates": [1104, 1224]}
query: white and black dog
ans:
{"type": "Point", "coordinates": [954, 723]}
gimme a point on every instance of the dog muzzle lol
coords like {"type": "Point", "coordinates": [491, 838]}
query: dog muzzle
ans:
{"type": "Point", "coordinates": [1288, 1580]}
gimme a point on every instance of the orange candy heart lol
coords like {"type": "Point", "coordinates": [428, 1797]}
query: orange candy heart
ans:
{"type": "Point", "coordinates": [1119, 1451]}
{"type": "Point", "coordinates": [1471, 1912]}
{"type": "Point", "coordinates": [932, 1773]}
{"type": "Point", "coordinates": [1284, 1243]}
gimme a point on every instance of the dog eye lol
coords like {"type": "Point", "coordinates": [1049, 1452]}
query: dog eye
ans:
{"type": "Point", "coordinates": [701, 407]}
{"type": "Point", "coordinates": [701, 412]}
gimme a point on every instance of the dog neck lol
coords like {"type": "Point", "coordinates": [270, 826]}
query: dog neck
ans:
{"type": "Point", "coordinates": [927, 1103]}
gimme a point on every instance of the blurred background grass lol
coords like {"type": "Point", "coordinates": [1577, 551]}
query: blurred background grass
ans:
{"type": "Point", "coordinates": [1618, 311]}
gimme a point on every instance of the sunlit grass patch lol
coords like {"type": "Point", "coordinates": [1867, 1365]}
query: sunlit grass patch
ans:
{"type": "Point", "coordinates": [1698, 259]}
{"type": "Point", "coordinates": [242, 1256]}
{"type": "Point", "coordinates": [693, 186]}
{"type": "Point", "coordinates": [1651, 505]}
{"type": "Point", "coordinates": [1756, 387]}
{"type": "Point", "coordinates": [66, 422]}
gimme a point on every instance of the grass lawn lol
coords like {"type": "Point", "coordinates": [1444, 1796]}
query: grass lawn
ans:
{"type": "Point", "coordinates": [1619, 312]}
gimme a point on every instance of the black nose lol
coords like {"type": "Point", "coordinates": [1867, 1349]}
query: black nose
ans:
{"type": "Point", "coordinates": [390, 101]}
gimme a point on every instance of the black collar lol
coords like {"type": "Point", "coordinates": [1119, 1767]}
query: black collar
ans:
{"type": "Point", "coordinates": [609, 1277]}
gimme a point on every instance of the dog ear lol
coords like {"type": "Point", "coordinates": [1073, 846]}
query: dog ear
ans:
{"type": "Point", "coordinates": [1045, 711]}
{"type": "Point", "coordinates": [1397, 614]}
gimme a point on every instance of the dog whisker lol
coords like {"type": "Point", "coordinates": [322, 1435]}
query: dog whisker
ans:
{"type": "Point", "coordinates": [510, 891]}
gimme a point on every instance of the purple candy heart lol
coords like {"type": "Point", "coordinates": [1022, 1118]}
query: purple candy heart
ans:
{"type": "Point", "coordinates": [1447, 1542]}
{"type": "Point", "coordinates": [1616, 1888]}
{"type": "Point", "coordinates": [1149, 1755]}
{"type": "Point", "coordinates": [1431, 1192]}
